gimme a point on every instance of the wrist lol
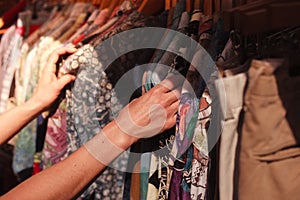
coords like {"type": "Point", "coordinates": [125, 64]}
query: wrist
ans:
{"type": "Point", "coordinates": [107, 145]}
{"type": "Point", "coordinates": [115, 134]}
{"type": "Point", "coordinates": [34, 105]}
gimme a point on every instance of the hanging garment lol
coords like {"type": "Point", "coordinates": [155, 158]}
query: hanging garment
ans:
{"type": "Point", "coordinates": [22, 72]}
{"type": "Point", "coordinates": [230, 91]}
{"type": "Point", "coordinates": [181, 154]}
{"type": "Point", "coordinates": [269, 154]}
{"type": "Point", "coordinates": [41, 129]}
{"type": "Point", "coordinates": [37, 59]}
{"type": "Point", "coordinates": [11, 59]}
{"type": "Point", "coordinates": [77, 23]}
{"type": "Point", "coordinates": [23, 156]}
{"type": "Point", "coordinates": [201, 160]}
{"type": "Point", "coordinates": [87, 114]}
{"type": "Point", "coordinates": [55, 144]}
{"type": "Point", "coordinates": [165, 42]}
{"type": "Point", "coordinates": [92, 25]}
{"type": "Point", "coordinates": [218, 39]}
{"type": "Point", "coordinates": [80, 31]}
{"type": "Point", "coordinates": [229, 58]}
{"type": "Point", "coordinates": [97, 98]}
{"type": "Point", "coordinates": [5, 42]}
{"type": "Point", "coordinates": [167, 59]}
{"type": "Point", "coordinates": [55, 18]}
{"type": "Point", "coordinates": [182, 66]}
{"type": "Point", "coordinates": [195, 173]}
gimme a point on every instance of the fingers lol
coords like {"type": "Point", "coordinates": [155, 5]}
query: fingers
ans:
{"type": "Point", "coordinates": [174, 81]}
{"type": "Point", "coordinates": [174, 94]}
{"type": "Point", "coordinates": [174, 107]}
{"type": "Point", "coordinates": [171, 120]}
{"type": "Point", "coordinates": [64, 80]}
{"type": "Point", "coordinates": [51, 67]}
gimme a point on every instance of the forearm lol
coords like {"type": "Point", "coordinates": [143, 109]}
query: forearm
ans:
{"type": "Point", "coordinates": [67, 178]}
{"type": "Point", "coordinates": [12, 121]}
{"type": "Point", "coordinates": [61, 181]}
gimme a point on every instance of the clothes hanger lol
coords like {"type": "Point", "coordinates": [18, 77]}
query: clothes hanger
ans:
{"type": "Point", "coordinates": [198, 5]}
{"type": "Point", "coordinates": [151, 7]}
{"type": "Point", "coordinates": [168, 4]}
{"type": "Point", "coordinates": [174, 3]}
{"type": "Point", "coordinates": [111, 4]}
{"type": "Point", "coordinates": [189, 5]}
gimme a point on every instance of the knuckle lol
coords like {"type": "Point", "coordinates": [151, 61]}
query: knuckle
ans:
{"type": "Point", "coordinates": [154, 93]}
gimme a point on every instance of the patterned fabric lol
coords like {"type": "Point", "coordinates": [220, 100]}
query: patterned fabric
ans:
{"type": "Point", "coordinates": [25, 145]}
{"type": "Point", "coordinates": [25, 148]}
{"type": "Point", "coordinates": [181, 65]}
{"type": "Point", "coordinates": [187, 116]}
{"type": "Point", "coordinates": [11, 59]}
{"type": "Point", "coordinates": [23, 155]}
{"type": "Point", "coordinates": [189, 156]}
{"type": "Point", "coordinates": [89, 102]}
{"type": "Point", "coordinates": [30, 73]}
{"type": "Point", "coordinates": [84, 27]}
{"type": "Point", "coordinates": [144, 174]}
{"type": "Point", "coordinates": [55, 145]}
{"type": "Point", "coordinates": [56, 18]}
{"type": "Point", "coordinates": [200, 163]}
{"type": "Point", "coordinates": [34, 64]}
{"type": "Point", "coordinates": [23, 73]}
{"type": "Point", "coordinates": [88, 110]}
{"type": "Point", "coordinates": [157, 186]}
{"type": "Point", "coordinates": [152, 187]}
{"type": "Point", "coordinates": [77, 23]}
{"type": "Point", "coordinates": [7, 70]}
{"type": "Point", "coordinates": [5, 41]}
{"type": "Point", "coordinates": [95, 27]}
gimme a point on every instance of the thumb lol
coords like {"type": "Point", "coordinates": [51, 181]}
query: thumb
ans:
{"type": "Point", "coordinates": [64, 80]}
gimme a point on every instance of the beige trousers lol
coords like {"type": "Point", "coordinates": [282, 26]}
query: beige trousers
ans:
{"type": "Point", "coordinates": [269, 160]}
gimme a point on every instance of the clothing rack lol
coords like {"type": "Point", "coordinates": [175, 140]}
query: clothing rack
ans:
{"type": "Point", "coordinates": [233, 32]}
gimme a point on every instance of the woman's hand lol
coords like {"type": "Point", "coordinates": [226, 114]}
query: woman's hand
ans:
{"type": "Point", "coordinates": [50, 86]}
{"type": "Point", "coordinates": [144, 117]}
{"type": "Point", "coordinates": [153, 112]}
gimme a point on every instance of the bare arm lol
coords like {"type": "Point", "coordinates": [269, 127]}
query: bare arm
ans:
{"type": "Point", "coordinates": [70, 176]}
{"type": "Point", "coordinates": [12, 121]}
{"type": "Point", "coordinates": [67, 178]}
